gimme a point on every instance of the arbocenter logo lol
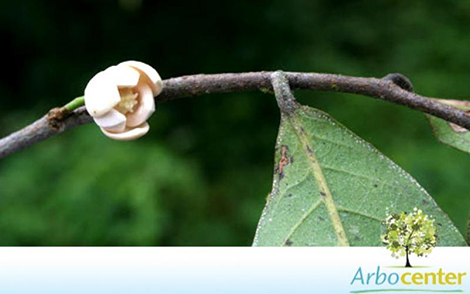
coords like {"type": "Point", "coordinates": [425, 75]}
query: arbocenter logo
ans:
{"type": "Point", "coordinates": [408, 234]}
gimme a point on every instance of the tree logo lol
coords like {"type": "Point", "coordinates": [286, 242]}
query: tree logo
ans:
{"type": "Point", "coordinates": [408, 233]}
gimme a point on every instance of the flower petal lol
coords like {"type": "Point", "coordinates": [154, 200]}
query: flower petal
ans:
{"type": "Point", "coordinates": [144, 109]}
{"type": "Point", "coordinates": [149, 72]}
{"type": "Point", "coordinates": [113, 121]}
{"type": "Point", "coordinates": [101, 95]}
{"type": "Point", "coordinates": [128, 134]}
{"type": "Point", "coordinates": [123, 76]}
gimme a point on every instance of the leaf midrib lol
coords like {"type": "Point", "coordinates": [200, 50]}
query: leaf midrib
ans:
{"type": "Point", "coordinates": [315, 168]}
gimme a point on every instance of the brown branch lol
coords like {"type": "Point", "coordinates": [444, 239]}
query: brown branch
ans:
{"type": "Point", "coordinates": [394, 88]}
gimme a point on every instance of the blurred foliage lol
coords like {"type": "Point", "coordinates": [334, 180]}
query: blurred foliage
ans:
{"type": "Point", "coordinates": [202, 174]}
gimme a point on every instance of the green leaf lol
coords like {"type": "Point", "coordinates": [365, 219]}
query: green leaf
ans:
{"type": "Point", "coordinates": [331, 188]}
{"type": "Point", "coordinates": [468, 229]}
{"type": "Point", "coordinates": [449, 133]}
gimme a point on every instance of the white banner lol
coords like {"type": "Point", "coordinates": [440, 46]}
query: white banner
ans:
{"type": "Point", "coordinates": [230, 270]}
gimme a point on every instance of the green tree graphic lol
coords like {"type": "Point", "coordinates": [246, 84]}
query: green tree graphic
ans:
{"type": "Point", "coordinates": [409, 233]}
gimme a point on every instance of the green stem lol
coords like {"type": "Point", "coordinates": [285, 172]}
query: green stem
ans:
{"type": "Point", "coordinates": [75, 103]}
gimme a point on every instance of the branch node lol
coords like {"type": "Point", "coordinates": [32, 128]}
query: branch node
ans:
{"type": "Point", "coordinates": [400, 80]}
{"type": "Point", "coordinates": [56, 116]}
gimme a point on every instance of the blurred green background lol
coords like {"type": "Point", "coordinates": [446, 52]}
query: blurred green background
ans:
{"type": "Point", "coordinates": [200, 177]}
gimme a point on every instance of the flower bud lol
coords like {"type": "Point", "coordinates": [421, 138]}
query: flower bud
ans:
{"type": "Point", "coordinates": [121, 99]}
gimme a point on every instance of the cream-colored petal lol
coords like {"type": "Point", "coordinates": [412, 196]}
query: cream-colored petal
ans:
{"type": "Point", "coordinates": [145, 108]}
{"type": "Point", "coordinates": [123, 76]}
{"type": "Point", "coordinates": [149, 72]}
{"type": "Point", "coordinates": [113, 121]}
{"type": "Point", "coordinates": [101, 95]}
{"type": "Point", "coordinates": [128, 134]}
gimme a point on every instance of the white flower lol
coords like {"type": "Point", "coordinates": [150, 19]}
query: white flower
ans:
{"type": "Point", "coordinates": [120, 99]}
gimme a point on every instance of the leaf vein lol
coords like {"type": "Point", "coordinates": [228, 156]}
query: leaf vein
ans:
{"type": "Point", "coordinates": [317, 173]}
{"type": "Point", "coordinates": [343, 209]}
{"type": "Point", "coordinates": [302, 219]}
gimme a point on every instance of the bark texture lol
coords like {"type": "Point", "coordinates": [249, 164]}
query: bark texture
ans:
{"type": "Point", "coordinates": [394, 88]}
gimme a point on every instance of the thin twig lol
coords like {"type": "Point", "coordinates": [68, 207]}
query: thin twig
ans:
{"type": "Point", "coordinates": [392, 88]}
